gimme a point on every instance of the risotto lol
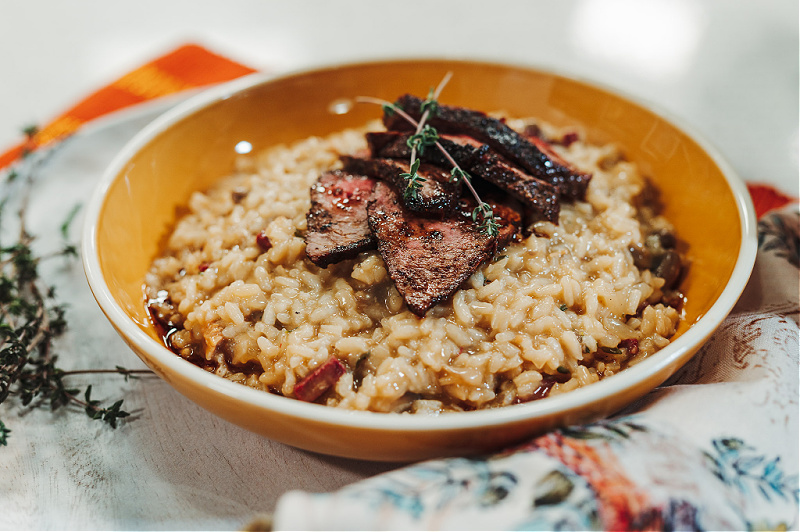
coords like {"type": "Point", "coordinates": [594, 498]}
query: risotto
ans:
{"type": "Point", "coordinates": [573, 303]}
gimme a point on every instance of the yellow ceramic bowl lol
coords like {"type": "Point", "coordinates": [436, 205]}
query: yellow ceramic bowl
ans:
{"type": "Point", "coordinates": [191, 146]}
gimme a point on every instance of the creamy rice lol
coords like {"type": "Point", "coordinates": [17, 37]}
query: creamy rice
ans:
{"type": "Point", "coordinates": [546, 316]}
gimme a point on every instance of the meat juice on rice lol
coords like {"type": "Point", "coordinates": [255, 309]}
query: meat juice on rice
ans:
{"type": "Point", "coordinates": [551, 312]}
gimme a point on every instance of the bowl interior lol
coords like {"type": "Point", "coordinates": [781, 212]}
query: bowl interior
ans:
{"type": "Point", "coordinates": [142, 202]}
{"type": "Point", "coordinates": [194, 145]}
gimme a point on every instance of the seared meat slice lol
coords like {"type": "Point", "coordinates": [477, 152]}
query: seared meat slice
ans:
{"type": "Point", "coordinates": [337, 219]}
{"type": "Point", "coordinates": [394, 144]}
{"type": "Point", "coordinates": [436, 195]}
{"type": "Point", "coordinates": [540, 197]}
{"type": "Point", "coordinates": [506, 209]}
{"type": "Point", "coordinates": [507, 142]}
{"type": "Point", "coordinates": [427, 258]}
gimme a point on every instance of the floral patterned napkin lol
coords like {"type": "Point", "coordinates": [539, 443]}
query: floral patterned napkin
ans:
{"type": "Point", "coordinates": [715, 448]}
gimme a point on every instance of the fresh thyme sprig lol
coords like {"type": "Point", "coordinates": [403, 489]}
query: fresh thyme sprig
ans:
{"type": "Point", "coordinates": [31, 319]}
{"type": "Point", "coordinates": [413, 181]}
{"type": "Point", "coordinates": [426, 136]}
{"type": "Point", "coordinates": [489, 224]}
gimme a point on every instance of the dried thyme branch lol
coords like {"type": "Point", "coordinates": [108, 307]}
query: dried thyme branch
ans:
{"type": "Point", "coordinates": [424, 136]}
{"type": "Point", "coordinates": [31, 319]}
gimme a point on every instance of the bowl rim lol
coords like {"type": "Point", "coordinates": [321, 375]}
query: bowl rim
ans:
{"type": "Point", "coordinates": [674, 353]}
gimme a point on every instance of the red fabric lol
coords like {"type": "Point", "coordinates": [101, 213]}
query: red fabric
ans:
{"type": "Point", "coordinates": [767, 198]}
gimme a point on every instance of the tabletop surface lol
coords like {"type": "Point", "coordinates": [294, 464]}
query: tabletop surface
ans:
{"type": "Point", "coordinates": [728, 70]}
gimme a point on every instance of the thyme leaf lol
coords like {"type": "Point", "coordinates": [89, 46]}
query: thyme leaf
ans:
{"type": "Point", "coordinates": [413, 181]}
{"type": "Point", "coordinates": [68, 221]}
{"type": "Point", "coordinates": [389, 108]}
{"type": "Point", "coordinates": [4, 432]}
{"type": "Point", "coordinates": [31, 319]}
{"type": "Point", "coordinates": [611, 350]}
{"type": "Point", "coordinates": [30, 131]}
{"type": "Point", "coordinates": [428, 136]}
{"type": "Point", "coordinates": [457, 175]}
{"type": "Point", "coordinates": [430, 105]}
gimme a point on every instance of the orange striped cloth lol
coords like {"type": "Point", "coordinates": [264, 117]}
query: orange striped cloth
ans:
{"type": "Point", "coordinates": [192, 66]}
{"type": "Point", "coordinates": [186, 67]}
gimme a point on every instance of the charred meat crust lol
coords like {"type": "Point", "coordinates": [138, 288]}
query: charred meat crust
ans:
{"type": "Point", "coordinates": [437, 194]}
{"type": "Point", "coordinates": [427, 258]}
{"type": "Point", "coordinates": [430, 242]}
{"type": "Point", "coordinates": [394, 144]}
{"type": "Point", "coordinates": [540, 197]}
{"type": "Point", "coordinates": [337, 220]}
{"type": "Point", "coordinates": [507, 210]}
{"type": "Point", "coordinates": [507, 142]}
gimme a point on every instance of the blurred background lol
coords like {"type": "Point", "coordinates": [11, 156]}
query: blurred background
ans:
{"type": "Point", "coordinates": [726, 68]}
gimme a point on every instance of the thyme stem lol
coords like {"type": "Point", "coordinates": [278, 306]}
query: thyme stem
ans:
{"type": "Point", "coordinates": [31, 319]}
{"type": "Point", "coordinates": [434, 96]}
{"type": "Point", "coordinates": [119, 371]}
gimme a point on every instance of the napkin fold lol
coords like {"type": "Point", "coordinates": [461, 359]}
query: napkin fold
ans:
{"type": "Point", "coordinates": [714, 448]}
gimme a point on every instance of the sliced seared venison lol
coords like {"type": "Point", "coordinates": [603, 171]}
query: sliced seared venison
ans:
{"type": "Point", "coordinates": [436, 195]}
{"type": "Point", "coordinates": [507, 142]}
{"type": "Point", "coordinates": [427, 258]}
{"type": "Point", "coordinates": [394, 144]}
{"type": "Point", "coordinates": [337, 220]}
{"type": "Point", "coordinates": [507, 210]}
{"type": "Point", "coordinates": [540, 197]}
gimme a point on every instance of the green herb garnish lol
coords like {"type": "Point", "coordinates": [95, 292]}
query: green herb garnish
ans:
{"type": "Point", "coordinates": [4, 432]}
{"type": "Point", "coordinates": [426, 136]}
{"type": "Point", "coordinates": [31, 319]}
{"type": "Point", "coordinates": [413, 181]}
